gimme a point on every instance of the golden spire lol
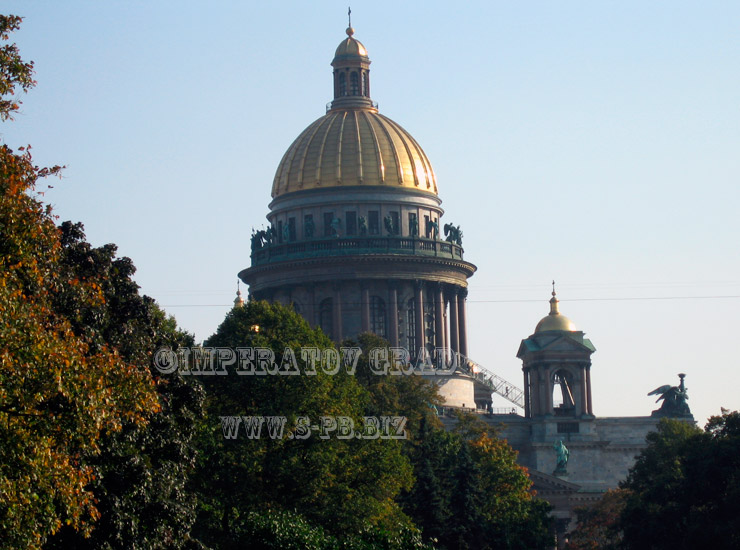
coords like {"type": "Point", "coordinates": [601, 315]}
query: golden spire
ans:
{"type": "Point", "coordinates": [555, 320]}
{"type": "Point", "coordinates": [554, 302]}
{"type": "Point", "coordinates": [238, 301]}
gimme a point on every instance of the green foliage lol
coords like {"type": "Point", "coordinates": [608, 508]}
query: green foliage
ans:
{"type": "Point", "coordinates": [141, 471]}
{"type": "Point", "coordinates": [598, 526]}
{"type": "Point", "coordinates": [340, 485]}
{"type": "Point", "coordinates": [14, 72]}
{"type": "Point", "coordinates": [283, 530]}
{"type": "Point", "coordinates": [59, 391]}
{"type": "Point", "coordinates": [683, 489]}
{"type": "Point", "coordinates": [471, 493]}
{"type": "Point", "coordinates": [511, 517]}
{"type": "Point", "coordinates": [410, 396]}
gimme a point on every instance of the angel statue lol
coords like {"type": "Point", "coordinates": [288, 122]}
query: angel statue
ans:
{"type": "Point", "coordinates": [674, 400]}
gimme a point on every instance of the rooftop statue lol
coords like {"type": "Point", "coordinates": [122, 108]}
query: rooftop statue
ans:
{"type": "Point", "coordinates": [453, 234]}
{"type": "Point", "coordinates": [674, 400]}
{"type": "Point", "coordinates": [308, 228]}
{"type": "Point", "coordinates": [413, 227]}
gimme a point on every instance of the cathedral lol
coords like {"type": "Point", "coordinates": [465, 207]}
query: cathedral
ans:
{"type": "Point", "coordinates": [356, 243]}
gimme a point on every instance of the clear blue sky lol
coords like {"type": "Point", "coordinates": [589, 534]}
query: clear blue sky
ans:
{"type": "Point", "coordinates": [596, 143]}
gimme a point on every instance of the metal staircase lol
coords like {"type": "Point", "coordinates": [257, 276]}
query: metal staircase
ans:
{"type": "Point", "coordinates": [494, 382]}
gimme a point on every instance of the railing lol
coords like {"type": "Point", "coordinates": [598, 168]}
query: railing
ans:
{"type": "Point", "coordinates": [340, 246]}
{"type": "Point", "coordinates": [373, 103]}
{"type": "Point", "coordinates": [498, 385]}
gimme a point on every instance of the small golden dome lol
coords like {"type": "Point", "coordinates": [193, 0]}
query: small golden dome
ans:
{"type": "Point", "coordinates": [354, 147]}
{"type": "Point", "coordinates": [555, 320]}
{"type": "Point", "coordinates": [350, 46]}
{"type": "Point", "coordinates": [238, 301]}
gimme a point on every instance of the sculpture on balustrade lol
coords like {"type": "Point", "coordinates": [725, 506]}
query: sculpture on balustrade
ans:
{"type": "Point", "coordinates": [308, 228]}
{"type": "Point", "coordinates": [335, 223]}
{"type": "Point", "coordinates": [262, 238]}
{"type": "Point", "coordinates": [413, 227]}
{"type": "Point", "coordinates": [362, 222]}
{"type": "Point", "coordinates": [453, 234]}
{"type": "Point", "coordinates": [432, 229]}
{"type": "Point", "coordinates": [270, 235]}
{"type": "Point", "coordinates": [257, 239]}
{"type": "Point", "coordinates": [390, 225]}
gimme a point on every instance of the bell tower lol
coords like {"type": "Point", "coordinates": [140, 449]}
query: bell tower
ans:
{"type": "Point", "coordinates": [556, 362]}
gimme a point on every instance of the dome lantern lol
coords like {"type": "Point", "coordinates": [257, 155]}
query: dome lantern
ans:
{"type": "Point", "coordinates": [351, 74]}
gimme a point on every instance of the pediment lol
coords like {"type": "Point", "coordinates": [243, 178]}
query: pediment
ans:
{"type": "Point", "coordinates": [546, 483]}
{"type": "Point", "coordinates": [556, 341]}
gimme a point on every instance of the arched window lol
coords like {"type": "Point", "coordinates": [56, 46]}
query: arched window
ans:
{"type": "Point", "coordinates": [342, 84]}
{"type": "Point", "coordinates": [326, 316]}
{"type": "Point", "coordinates": [377, 316]}
{"type": "Point", "coordinates": [562, 390]}
{"type": "Point", "coordinates": [354, 84]}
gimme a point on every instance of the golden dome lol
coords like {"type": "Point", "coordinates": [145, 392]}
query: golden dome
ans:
{"type": "Point", "coordinates": [350, 46]}
{"type": "Point", "coordinates": [555, 320]}
{"type": "Point", "coordinates": [354, 147]}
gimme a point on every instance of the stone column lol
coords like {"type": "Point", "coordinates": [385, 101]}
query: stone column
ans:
{"type": "Point", "coordinates": [579, 396]}
{"type": "Point", "coordinates": [365, 308]}
{"type": "Point", "coordinates": [454, 327]}
{"type": "Point", "coordinates": [337, 317]}
{"type": "Point", "coordinates": [419, 314]}
{"type": "Point", "coordinates": [310, 314]}
{"type": "Point", "coordinates": [439, 311]}
{"type": "Point", "coordinates": [393, 316]}
{"type": "Point", "coordinates": [527, 411]}
{"type": "Point", "coordinates": [588, 390]}
{"type": "Point", "coordinates": [462, 319]}
{"type": "Point", "coordinates": [547, 376]}
{"type": "Point", "coordinates": [542, 388]}
{"type": "Point", "coordinates": [584, 391]}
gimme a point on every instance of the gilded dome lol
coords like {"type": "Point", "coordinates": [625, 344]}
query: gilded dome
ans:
{"type": "Point", "coordinates": [354, 147]}
{"type": "Point", "coordinates": [350, 46]}
{"type": "Point", "coordinates": [555, 320]}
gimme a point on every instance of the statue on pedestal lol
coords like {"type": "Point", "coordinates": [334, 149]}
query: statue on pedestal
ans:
{"type": "Point", "coordinates": [674, 400]}
{"type": "Point", "coordinates": [562, 457]}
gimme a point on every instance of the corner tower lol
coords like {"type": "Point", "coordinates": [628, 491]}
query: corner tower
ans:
{"type": "Point", "coordinates": [354, 240]}
{"type": "Point", "coordinates": [556, 361]}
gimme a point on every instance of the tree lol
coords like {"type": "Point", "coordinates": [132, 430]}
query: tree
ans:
{"type": "Point", "coordinates": [341, 485]}
{"type": "Point", "coordinates": [58, 394]}
{"type": "Point", "coordinates": [14, 72]}
{"type": "Point", "coordinates": [428, 501]}
{"type": "Point", "coordinates": [683, 488]}
{"type": "Point", "coordinates": [598, 525]}
{"type": "Point", "coordinates": [141, 471]}
{"type": "Point", "coordinates": [512, 517]}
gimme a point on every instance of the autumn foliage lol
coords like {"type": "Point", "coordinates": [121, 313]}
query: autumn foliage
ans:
{"type": "Point", "coordinates": [58, 395]}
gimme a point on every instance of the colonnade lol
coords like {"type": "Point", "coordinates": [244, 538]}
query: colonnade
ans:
{"type": "Point", "coordinates": [539, 384]}
{"type": "Point", "coordinates": [447, 302]}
